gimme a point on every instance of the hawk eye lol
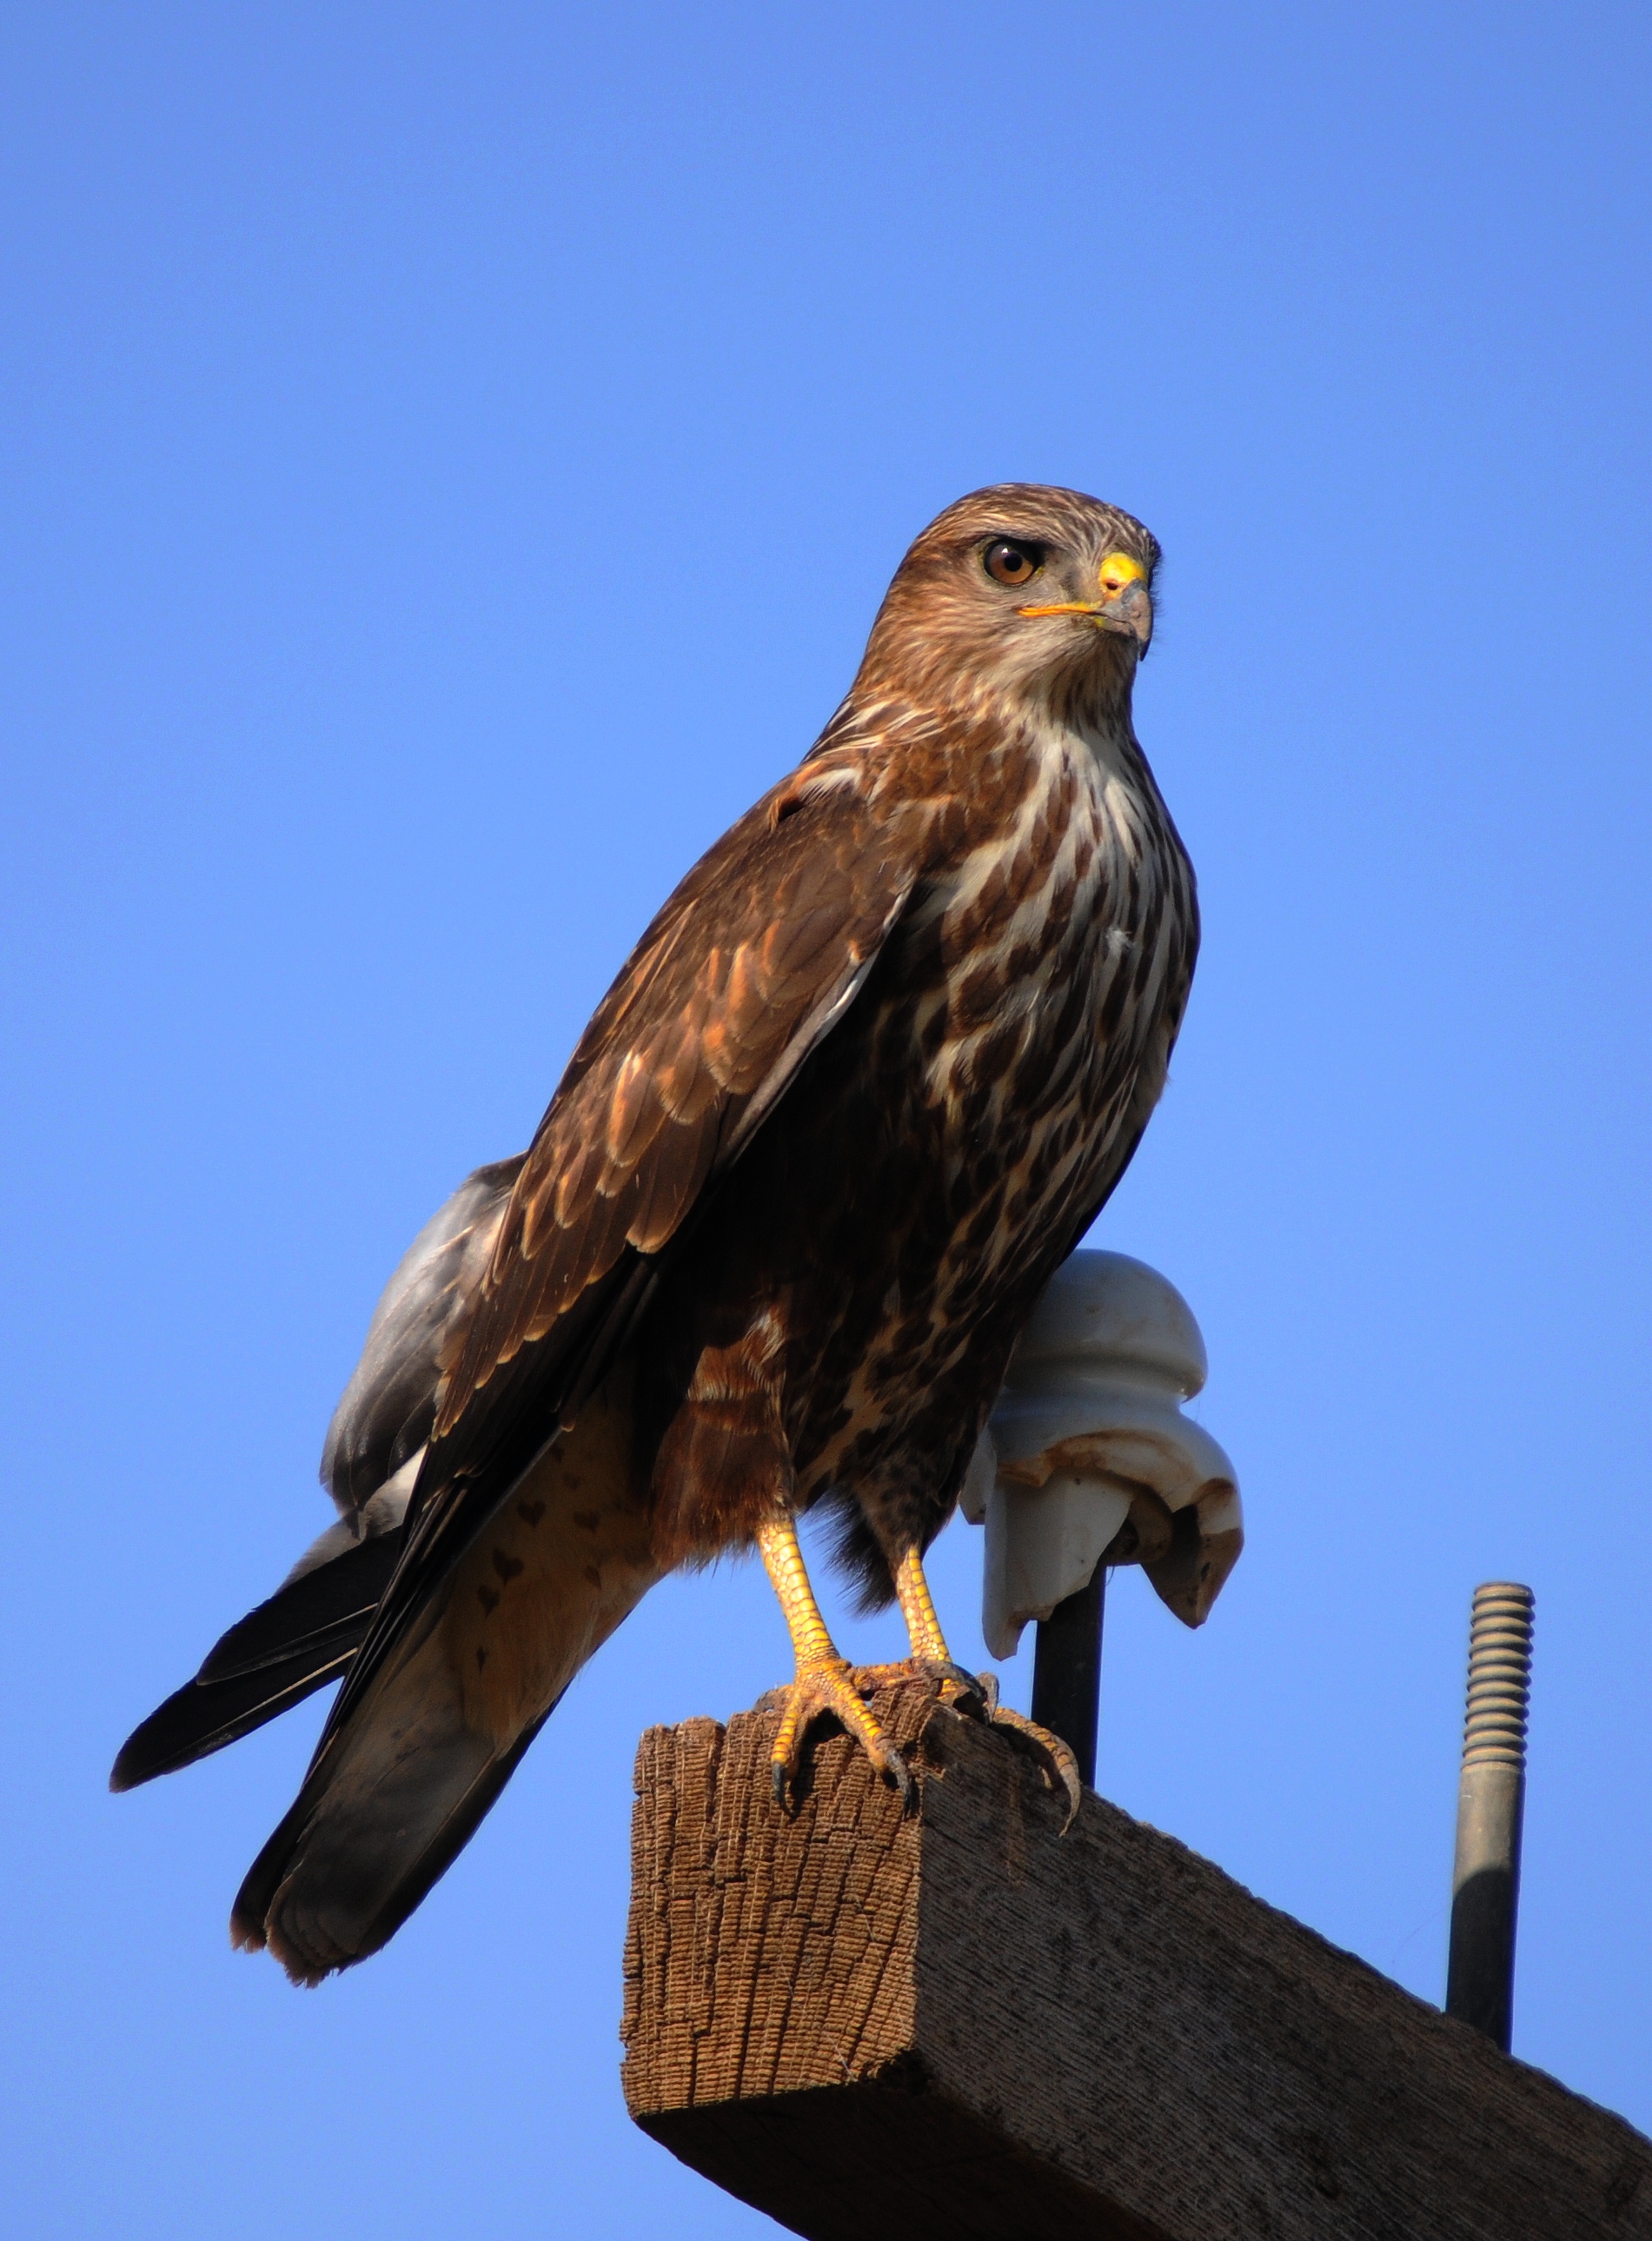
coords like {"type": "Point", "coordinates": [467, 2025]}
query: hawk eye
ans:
{"type": "Point", "coordinates": [1006, 562]}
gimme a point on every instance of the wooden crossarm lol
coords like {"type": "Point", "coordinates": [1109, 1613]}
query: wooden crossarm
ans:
{"type": "Point", "coordinates": [963, 2026]}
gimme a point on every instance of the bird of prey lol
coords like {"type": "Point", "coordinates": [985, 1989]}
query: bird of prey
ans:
{"type": "Point", "coordinates": [862, 1084]}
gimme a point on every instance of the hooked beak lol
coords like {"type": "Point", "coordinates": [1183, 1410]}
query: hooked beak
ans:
{"type": "Point", "coordinates": [1125, 606]}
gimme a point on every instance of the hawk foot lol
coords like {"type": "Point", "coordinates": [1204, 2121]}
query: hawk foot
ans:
{"type": "Point", "coordinates": [948, 1677]}
{"type": "Point", "coordinates": [829, 1685]}
{"type": "Point", "coordinates": [1057, 1764]}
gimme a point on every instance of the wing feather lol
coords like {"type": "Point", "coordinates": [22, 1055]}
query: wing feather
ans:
{"type": "Point", "coordinates": [306, 1634]}
{"type": "Point", "coordinates": [387, 1410]}
{"type": "Point", "coordinates": [300, 1638]}
{"type": "Point", "coordinates": [756, 955]}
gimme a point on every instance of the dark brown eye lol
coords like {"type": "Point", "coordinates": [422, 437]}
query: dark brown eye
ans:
{"type": "Point", "coordinates": [1007, 561]}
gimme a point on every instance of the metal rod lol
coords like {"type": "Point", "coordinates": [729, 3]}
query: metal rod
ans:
{"type": "Point", "coordinates": [1491, 1797]}
{"type": "Point", "coordinates": [1067, 1672]}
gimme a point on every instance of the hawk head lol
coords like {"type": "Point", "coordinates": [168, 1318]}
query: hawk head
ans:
{"type": "Point", "coordinates": [1021, 590]}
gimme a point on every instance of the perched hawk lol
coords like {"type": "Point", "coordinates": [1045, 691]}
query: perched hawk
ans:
{"type": "Point", "coordinates": [860, 1087]}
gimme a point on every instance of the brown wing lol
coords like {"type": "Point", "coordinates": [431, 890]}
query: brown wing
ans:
{"type": "Point", "coordinates": [756, 955]}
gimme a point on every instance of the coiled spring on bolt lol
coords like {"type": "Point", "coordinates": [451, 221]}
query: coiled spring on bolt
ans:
{"type": "Point", "coordinates": [1499, 1676]}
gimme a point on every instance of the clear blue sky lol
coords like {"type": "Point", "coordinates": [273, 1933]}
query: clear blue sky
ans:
{"type": "Point", "coordinates": [451, 458]}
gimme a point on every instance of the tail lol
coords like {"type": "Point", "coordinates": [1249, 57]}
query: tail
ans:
{"type": "Point", "coordinates": [302, 1638]}
{"type": "Point", "coordinates": [397, 1791]}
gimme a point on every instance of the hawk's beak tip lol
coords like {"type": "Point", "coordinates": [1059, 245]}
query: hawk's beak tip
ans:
{"type": "Point", "coordinates": [1131, 613]}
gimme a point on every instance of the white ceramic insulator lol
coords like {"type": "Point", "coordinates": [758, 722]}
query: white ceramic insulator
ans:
{"type": "Point", "coordinates": [1089, 1431]}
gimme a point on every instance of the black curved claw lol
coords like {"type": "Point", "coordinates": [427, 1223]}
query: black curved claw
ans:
{"type": "Point", "coordinates": [897, 1771]}
{"type": "Point", "coordinates": [1075, 1789]}
{"type": "Point", "coordinates": [949, 1669]}
{"type": "Point", "coordinates": [1060, 1767]}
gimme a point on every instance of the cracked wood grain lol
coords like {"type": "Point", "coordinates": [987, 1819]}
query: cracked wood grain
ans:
{"type": "Point", "coordinates": [961, 2024]}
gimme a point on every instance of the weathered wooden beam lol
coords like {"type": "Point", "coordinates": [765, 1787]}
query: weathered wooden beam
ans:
{"type": "Point", "coordinates": [962, 2024]}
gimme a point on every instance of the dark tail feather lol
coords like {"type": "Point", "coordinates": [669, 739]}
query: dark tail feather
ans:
{"type": "Point", "coordinates": [375, 1884]}
{"type": "Point", "coordinates": [302, 1637]}
{"type": "Point", "coordinates": [399, 1783]}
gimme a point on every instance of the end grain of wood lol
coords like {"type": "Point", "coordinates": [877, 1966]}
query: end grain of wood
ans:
{"type": "Point", "coordinates": [961, 2024]}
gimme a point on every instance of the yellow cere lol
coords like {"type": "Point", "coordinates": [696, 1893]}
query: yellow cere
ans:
{"type": "Point", "coordinates": [1118, 570]}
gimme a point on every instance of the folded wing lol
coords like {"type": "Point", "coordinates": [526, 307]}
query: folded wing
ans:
{"type": "Point", "coordinates": [306, 1634]}
{"type": "Point", "coordinates": [756, 956]}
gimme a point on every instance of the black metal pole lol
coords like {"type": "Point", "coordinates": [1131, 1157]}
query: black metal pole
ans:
{"type": "Point", "coordinates": [1067, 1672]}
{"type": "Point", "coordinates": [1491, 1797]}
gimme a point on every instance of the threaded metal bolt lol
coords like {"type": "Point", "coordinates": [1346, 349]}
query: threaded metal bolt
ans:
{"type": "Point", "coordinates": [1491, 1794]}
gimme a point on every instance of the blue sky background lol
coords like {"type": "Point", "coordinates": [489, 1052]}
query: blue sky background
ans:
{"type": "Point", "coordinates": [451, 458]}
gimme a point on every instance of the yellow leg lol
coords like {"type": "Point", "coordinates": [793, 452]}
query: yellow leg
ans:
{"type": "Point", "coordinates": [917, 1608]}
{"type": "Point", "coordinates": [930, 1660]}
{"type": "Point", "coordinates": [825, 1681]}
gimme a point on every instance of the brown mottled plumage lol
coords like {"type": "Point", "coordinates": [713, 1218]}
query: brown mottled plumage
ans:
{"type": "Point", "coordinates": [861, 1087]}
